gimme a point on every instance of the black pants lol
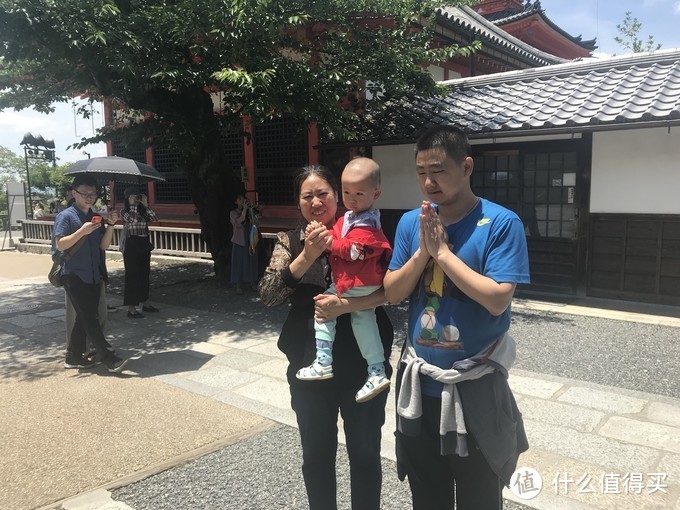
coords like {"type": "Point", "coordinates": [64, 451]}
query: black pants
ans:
{"type": "Point", "coordinates": [85, 300]}
{"type": "Point", "coordinates": [436, 479]}
{"type": "Point", "coordinates": [137, 259]}
{"type": "Point", "coordinates": [317, 417]}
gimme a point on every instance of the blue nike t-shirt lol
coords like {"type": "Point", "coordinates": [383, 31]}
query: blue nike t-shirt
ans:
{"type": "Point", "coordinates": [445, 325]}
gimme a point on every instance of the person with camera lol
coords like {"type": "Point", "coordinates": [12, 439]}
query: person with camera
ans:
{"type": "Point", "coordinates": [137, 251]}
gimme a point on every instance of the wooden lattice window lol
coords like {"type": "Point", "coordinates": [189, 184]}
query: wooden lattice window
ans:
{"type": "Point", "coordinates": [280, 149]}
{"type": "Point", "coordinates": [118, 149]}
{"type": "Point", "coordinates": [496, 177]}
{"type": "Point", "coordinates": [549, 183]}
{"type": "Point", "coordinates": [232, 146]}
{"type": "Point", "coordinates": [539, 187]}
{"type": "Point", "coordinates": [175, 189]}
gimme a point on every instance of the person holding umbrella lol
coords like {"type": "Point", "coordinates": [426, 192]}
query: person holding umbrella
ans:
{"type": "Point", "coordinates": [137, 251]}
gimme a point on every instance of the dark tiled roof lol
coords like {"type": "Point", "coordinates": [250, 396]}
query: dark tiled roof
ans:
{"type": "Point", "coordinates": [469, 21]}
{"type": "Point", "coordinates": [568, 97]}
{"type": "Point", "coordinates": [511, 15]}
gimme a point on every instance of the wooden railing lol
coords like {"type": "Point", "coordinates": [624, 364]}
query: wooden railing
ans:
{"type": "Point", "coordinates": [183, 242]}
{"type": "Point", "coordinates": [186, 242]}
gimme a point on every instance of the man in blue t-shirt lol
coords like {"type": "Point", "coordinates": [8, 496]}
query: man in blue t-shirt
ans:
{"type": "Point", "coordinates": [458, 259]}
{"type": "Point", "coordinates": [82, 242]}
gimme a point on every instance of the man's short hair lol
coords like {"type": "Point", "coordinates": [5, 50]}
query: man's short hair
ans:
{"type": "Point", "coordinates": [84, 180]}
{"type": "Point", "coordinates": [451, 139]}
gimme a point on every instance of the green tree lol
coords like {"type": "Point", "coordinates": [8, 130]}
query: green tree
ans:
{"type": "Point", "coordinates": [628, 36]}
{"type": "Point", "coordinates": [157, 61]}
{"type": "Point", "coordinates": [49, 179]}
{"type": "Point", "coordinates": [12, 166]}
{"type": "Point", "coordinates": [13, 169]}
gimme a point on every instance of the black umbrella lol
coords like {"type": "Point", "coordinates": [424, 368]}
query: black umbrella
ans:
{"type": "Point", "coordinates": [115, 168]}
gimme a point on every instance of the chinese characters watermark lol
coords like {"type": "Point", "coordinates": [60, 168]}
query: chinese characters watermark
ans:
{"type": "Point", "coordinates": [526, 483]}
{"type": "Point", "coordinates": [611, 483]}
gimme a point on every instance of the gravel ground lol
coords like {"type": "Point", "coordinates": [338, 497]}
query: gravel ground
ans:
{"type": "Point", "coordinates": [262, 472]}
{"type": "Point", "coordinates": [629, 355]}
{"type": "Point", "coordinates": [241, 477]}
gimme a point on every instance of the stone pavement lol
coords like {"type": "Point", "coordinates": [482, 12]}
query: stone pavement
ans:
{"type": "Point", "coordinates": [200, 379]}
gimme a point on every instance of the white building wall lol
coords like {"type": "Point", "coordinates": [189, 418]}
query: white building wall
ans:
{"type": "Point", "coordinates": [436, 72]}
{"type": "Point", "coordinates": [636, 171]}
{"type": "Point", "coordinates": [633, 172]}
{"type": "Point", "coordinates": [400, 189]}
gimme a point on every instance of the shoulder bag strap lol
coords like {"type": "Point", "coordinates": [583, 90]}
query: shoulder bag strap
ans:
{"type": "Point", "coordinates": [74, 249]}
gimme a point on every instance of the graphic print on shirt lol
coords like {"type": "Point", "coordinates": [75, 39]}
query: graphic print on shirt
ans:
{"type": "Point", "coordinates": [428, 331]}
{"type": "Point", "coordinates": [358, 251]}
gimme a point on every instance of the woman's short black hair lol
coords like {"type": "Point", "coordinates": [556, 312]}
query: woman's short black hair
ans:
{"type": "Point", "coordinates": [318, 170]}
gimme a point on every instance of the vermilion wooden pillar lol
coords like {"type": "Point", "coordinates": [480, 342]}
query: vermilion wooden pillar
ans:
{"type": "Point", "coordinates": [150, 188]}
{"type": "Point", "coordinates": [248, 170]}
{"type": "Point", "coordinates": [313, 144]}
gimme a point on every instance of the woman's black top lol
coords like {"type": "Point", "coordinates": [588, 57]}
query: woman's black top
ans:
{"type": "Point", "coordinates": [297, 338]}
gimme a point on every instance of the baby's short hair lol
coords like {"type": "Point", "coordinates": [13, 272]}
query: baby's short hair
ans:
{"type": "Point", "coordinates": [371, 166]}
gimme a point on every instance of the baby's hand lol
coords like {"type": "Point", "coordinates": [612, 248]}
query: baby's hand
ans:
{"type": "Point", "coordinates": [312, 225]}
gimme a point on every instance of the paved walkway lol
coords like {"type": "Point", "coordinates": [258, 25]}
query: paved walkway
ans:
{"type": "Point", "coordinates": [202, 380]}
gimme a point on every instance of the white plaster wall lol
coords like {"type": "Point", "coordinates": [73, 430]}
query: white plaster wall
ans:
{"type": "Point", "coordinates": [436, 72]}
{"type": "Point", "coordinates": [400, 189]}
{"type": "Point", "coordinates": [636, 171]}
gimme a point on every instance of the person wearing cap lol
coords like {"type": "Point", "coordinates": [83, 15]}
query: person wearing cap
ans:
{"type": "Point", "coordinates": [76, 234]}
{"type": "Point", "coordinates": [137, 252]}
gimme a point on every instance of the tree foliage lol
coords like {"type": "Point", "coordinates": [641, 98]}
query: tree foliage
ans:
{"type": "Point", "coordinates": [628, 38]}
{"type": "Point", "coordinates": [158, 61]}
{"type": "Point", "coordinates": [50, 180]}
{"type": "Point", "coordinates": [12, 167]}
{"type": "Point", "coordinates": [46, 180]}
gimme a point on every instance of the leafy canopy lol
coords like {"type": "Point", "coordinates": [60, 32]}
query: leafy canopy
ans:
{"type": "Point", "coordinates": [157, 60]}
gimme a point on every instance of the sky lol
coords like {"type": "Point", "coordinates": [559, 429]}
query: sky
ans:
{"type": "Point", "coordinates": [60, 126]}
{"type": "Point", "coordinates": [598, 19]}
{"type": "Point", "coordinates": [588, 18]}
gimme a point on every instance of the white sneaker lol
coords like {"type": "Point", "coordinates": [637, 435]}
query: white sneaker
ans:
{"type": "Point", "coordinates": [372, 387]}
{"type": "Point", "coordinates": [315, 372]}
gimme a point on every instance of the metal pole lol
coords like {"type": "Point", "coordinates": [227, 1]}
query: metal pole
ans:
{"type": "Point", "coordinates": [29, 213]}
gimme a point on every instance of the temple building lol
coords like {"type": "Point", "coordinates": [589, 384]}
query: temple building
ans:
{"type": "Point", "coordinates": [529, 23]}
{"type": "Point", "coordinates": [278, 147]}
{"type": "Point", "coordinates": [584, 151]}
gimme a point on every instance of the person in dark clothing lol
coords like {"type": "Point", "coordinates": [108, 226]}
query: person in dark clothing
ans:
{"type": "Point", "coordinates": [75, 234]}
{"type": "Point", "coordinates": [137, 253]}
{"type": "Point", "coordinates": [298, 272]}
